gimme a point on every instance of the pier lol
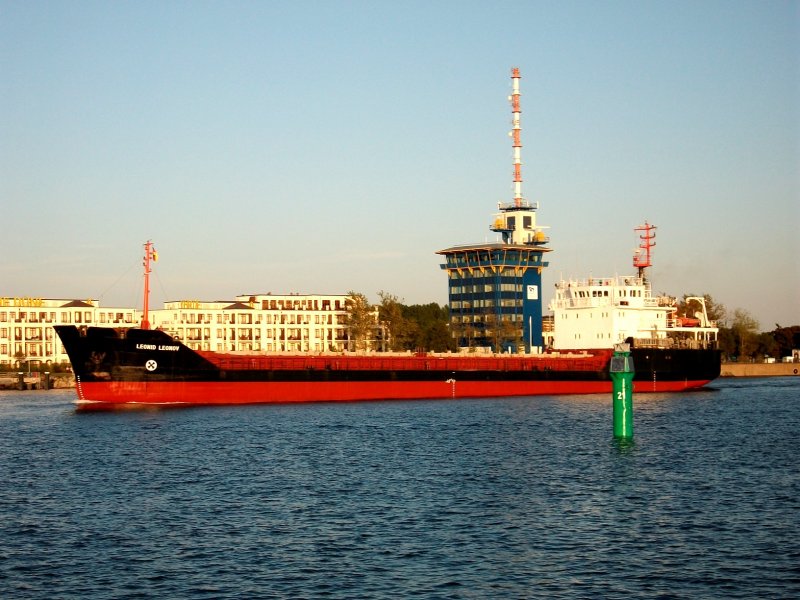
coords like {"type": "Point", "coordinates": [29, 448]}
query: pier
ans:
{"type": "Point", "coordinates": [43, 380]}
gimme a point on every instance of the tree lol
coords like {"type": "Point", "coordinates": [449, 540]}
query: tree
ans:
{"type": "Point", "coordinates": [745, 331]}
{"type": "Point", "coordinates": [360, 320]}
{"type": "Point", "coordinates": [428, 327]}
{"type": "Point", "coordinates": [726, 341]}
{"type": "Point", "coordinates": [398, 329]}
{"type": "Point", "coordinates": [505, 335]}
{"type": "Point", "coordinates": [786, 339]}
{"type": "Point", "coordinates": [439, 338]}
{"type": "Point", "coordinates": [765, 345]}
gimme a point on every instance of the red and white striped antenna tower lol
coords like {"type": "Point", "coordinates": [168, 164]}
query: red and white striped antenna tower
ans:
{"type": "Point", "coordinates": [515, 134]}
{"type": "Point", "coordinates": [641, 256]}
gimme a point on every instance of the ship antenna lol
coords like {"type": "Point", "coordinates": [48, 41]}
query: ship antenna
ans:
{"type": "Point", "coordinates": [642, 256]}
{"type": "Point", "coordinates": [515, 134]}
{"type": "Point", "coordinates": [149, 254]}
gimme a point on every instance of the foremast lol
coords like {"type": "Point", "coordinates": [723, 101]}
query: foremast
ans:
{"type": "Point", "coordinates": [150, 254]}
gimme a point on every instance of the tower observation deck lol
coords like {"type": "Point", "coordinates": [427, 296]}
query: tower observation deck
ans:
{"type": "Point", "coordinates": [494, 289]}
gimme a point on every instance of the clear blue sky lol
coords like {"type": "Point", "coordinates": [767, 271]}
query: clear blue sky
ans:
{"type": "Point", "coordinates": [322, 147]}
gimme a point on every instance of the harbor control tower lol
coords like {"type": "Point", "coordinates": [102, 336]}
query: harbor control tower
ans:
{"type": "Point", "coordinates": [495, 289]}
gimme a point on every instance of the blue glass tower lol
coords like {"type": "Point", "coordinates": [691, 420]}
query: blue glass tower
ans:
{"type": "Point", "coordinates": [495, 289]}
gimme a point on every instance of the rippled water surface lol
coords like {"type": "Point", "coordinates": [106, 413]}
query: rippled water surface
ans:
{"type": "Point", "coordinates": [504, 498]}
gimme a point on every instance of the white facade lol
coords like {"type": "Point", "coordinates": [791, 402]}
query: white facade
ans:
{"type": "Point", "coordinates": [258, 323]}
{"type": "Point", "coordinates": [26, 327]}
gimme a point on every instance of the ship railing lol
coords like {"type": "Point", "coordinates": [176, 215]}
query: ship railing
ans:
{"type": "Point", "coordinates": [662, 342]}
{"type": "Point", "coordinates": [449, 363]}
{"type": "Point", "coordinates": [522, 205]}
{"type": "Point", "coordinates": [687, 343]}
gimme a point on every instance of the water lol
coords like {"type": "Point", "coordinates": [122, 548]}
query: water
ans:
{"type": "Point", "coordinates": [506, 498]}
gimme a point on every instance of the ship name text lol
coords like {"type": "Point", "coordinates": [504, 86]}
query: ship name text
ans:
{"type": "Point", "coordinates": [157, 347]}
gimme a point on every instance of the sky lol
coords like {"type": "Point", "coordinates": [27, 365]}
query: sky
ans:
{"type": "Point", "coordinates": [326, 147]}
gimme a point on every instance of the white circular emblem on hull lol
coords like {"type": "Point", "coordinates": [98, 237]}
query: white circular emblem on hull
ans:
{"type": "Point", "coordinates": [151, 365]}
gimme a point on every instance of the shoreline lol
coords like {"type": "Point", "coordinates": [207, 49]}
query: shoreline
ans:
{"type": "Point", "coordinates": [759, 369]}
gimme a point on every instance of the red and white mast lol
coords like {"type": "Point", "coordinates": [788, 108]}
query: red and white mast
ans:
{"type": "Point", "coordinates": [515, 134]}
{"type": "Point", "coordinates": [641, 257]}
{"type": "Point", "coordinates": [149, 254]}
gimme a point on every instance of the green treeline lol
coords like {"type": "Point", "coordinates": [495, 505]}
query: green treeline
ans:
{"type": "Point", "coordinates": [415, 326]}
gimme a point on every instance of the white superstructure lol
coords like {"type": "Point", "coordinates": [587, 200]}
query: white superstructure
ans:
{"type": "Point", "coordinates": [601, 312]}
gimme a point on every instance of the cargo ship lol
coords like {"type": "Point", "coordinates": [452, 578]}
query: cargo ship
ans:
{"type": "Point", "coordinates": [140, 366]}
{"type": "Point", "coordinates": [137, 366]}
{"type": "Point", "coordinates": [495, 314]}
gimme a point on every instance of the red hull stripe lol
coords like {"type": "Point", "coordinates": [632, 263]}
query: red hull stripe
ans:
{"type": "Point", "coordinates": [205, 393]}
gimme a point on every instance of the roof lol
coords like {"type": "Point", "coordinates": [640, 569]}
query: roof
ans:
{"type": "Point", "coordinates": [238, 306]}
{"type": "Point", "coordinates": [77, 304]}
{"type": "Point", "coordinates": [492, 246]}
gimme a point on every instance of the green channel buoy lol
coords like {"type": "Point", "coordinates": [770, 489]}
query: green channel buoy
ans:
{"type": "Point", "coordinates": [621, 371]}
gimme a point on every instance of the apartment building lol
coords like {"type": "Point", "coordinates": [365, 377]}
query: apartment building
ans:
{"type": "Point", "coordinates": [27, 336]}
{"type": "Point", "coordinates": [258, 323]}
{"type": "Point", "coordinates": [249, 323]}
